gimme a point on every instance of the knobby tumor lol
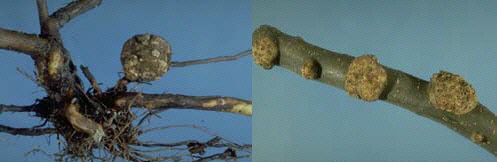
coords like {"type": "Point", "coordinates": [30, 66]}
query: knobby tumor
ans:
{"type": "Point", "coordinates": [365, 78]}
{"type": "Point", "coordinates": [145, 57]}
{"type": "Point", "coordinates": [450, 92]}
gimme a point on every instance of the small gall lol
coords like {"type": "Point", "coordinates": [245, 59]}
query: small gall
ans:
{"type": "Point", "coordinates": [365, 78]}
{"type": "Point", "coordinates": [311, 69]}
{"type": "Point", "coordinates": [451, 93]}
{"type": "Point", "coordinates": [478, 138]}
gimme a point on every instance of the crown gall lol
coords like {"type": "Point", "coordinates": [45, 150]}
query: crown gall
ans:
{"type": "Point", "coordinates": [450, 92]}
{"type": "Point", "coordinates": [365, 78]}
{"type": "Point", "coordinates": [478, 138]}
{"type": "Point", "coordinates": [311, 69]}
{"type": "Point", "coordinates": [145, 57]}
{"type": "Point", "coordinates": [265, 51]}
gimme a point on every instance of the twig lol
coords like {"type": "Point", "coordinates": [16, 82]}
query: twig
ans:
{"type": "Point", "coordinates": [27, 131]}
{"type": "Point", "coordinates": [72, 10]}
{"type": "Point", "coordinates": [42, 15]}
{"type": "Point", "coordinates": [401, 89]}
{"type": "Point", "coordinates": [177, 101]}
{"type": "Point", "coordinates": [41, 125]}
{"type": "Point", "coordinates": [99, 106]}
{"type": "Point", "coordinates": [37, 149]}
{"type": "Point", "coordinates": [150, 144]}
{"type": "Point", "coordinates": [91, 79]}
{"type": "Point", "coordinates": [25, 74]}
{"type": "Point", "coordinates": [196, 147]}
{"type": "Point", "coordinates": [228, 154]}
{"type": "Point", "coordinates": [148, 115]}
{"type": "Point", "coordinates": [30, 77]}
{"type": "Point", "coordinates": [15, 108]}
{"type": "Point", "coordinates": [29, 44]}
{"type": "Point", "coordinates": [203, 129]}
{"type": "Point", "coordinates": [211, 60]}
{"type": "Point", "coordinates": [216, 142]}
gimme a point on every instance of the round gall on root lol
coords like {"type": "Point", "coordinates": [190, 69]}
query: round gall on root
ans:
{"type": "Point", "coordinates": [310, 69]}
{"type": "Point", "coordinates": [145, 57]}
{"type": "Point", "coordinates": [450, 92]}
{"type": "Point", "coordinates": [365, 78]}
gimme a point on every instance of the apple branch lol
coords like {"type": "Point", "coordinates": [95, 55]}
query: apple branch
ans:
{"type": "Point", "coordinates": [16, 108]}
{"type": "Point", "coordinates": [211, 60]}
{"type": "Point", "coordinates": [29, 44]}
{"type": "Point", "coordinates": [447, 98]}
{"type": "Point", "coordinates": [27, 131]}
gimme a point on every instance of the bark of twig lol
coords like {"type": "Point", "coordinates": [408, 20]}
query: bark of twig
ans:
{"type": "Point", "coordinates": [196, 147]}
{"type": "Point", "coordinates": [72, 10]}
{"type": "Point", "coordinates": [203, 129]}
{"type": "Point", "coordinates": [15, 108]}
{"type": "Point", "coordinates": [177, 101]}
{"type": "Point", "coordinates": [402, 89]}
{"type": "Point", "coordinates": [211, 60]}
{"type": "Point", "coordinates": [42, 15]}
{"type": "Point", "coordinates": [226, 155]}
{"type": "Point", "coordinates": [26, 43]}
{"type": "Point", "coordinates": [27, 131]}
{"type": "Point", "coordinates": [91, 79]}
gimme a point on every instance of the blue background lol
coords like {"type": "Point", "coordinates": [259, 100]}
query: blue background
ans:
{"type": "Point", "coordinates": [300, 120]}
{"type": "Point", "coordinates": [195, 30]}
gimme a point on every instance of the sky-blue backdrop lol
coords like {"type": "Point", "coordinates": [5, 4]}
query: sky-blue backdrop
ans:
{"type": "Point", "coordinates": [195, 30]}
{"type": "Point", "coordinates": [300, 120]}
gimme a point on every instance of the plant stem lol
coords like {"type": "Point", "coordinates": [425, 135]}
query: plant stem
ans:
{"type": "Point", "coordinates": [402, 89]}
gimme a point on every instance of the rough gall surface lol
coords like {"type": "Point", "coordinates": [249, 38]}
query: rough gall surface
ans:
{"type": "Point", "coordinates": [311, 69]}
{"type": "Point", "coordinates": [265, 51]}
{"type": "Point", "coordinates": [145, 57]}
{"type": "Point", "coordinates": [450, 92]}
{"type": "Point", "coordinates": [365, 78]}
{"type": "Point", "coordinates": [478, 138]}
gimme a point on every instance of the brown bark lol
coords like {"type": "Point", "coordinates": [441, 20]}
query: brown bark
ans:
{"type": "Point", "coordinates": [27, 131]}
{"type": "Point", "coordinates": [177, 101]}
{"type": "Point", "coordinates": [29, 44]}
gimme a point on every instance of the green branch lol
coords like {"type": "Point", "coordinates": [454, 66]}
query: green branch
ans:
{"type": "Point", "coordinates": [448, 99]}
